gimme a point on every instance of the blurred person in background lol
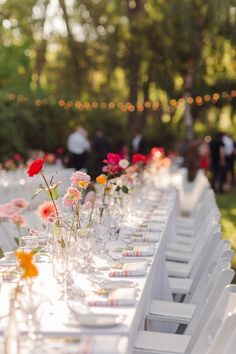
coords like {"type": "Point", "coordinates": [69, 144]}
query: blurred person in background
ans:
{"type": "Point", "coordinates": [204, 153]}
{"type": "Point", "coordinates": [138, 143]}
{"type": "Point", "coordinates": [100, 147]}
{"type": "Point", "coordinates": [217, 149]}
{"type": "Point", "coordinates": [229, 159]}
{"type": "Point", "coordinates": [79, 148]}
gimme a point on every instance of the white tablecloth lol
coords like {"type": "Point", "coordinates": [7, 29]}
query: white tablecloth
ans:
{"type": "Point", "coordinates": [56, 320]}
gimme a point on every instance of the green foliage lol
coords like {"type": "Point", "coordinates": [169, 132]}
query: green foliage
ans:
{"type": "Point", "coordinates": [226, 203]}
{"type": "Point", "coordinates": [99, 50]}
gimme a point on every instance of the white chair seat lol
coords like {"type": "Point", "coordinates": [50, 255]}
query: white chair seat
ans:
{"type": "Point", "coordinates": [179, 270]}
{"type": "Point", "coordinates": [175, 246]}
{"type": "Point", "coordinates": [161, 342]}
{"type": "Point", "coordinates": [178, 256]}
{"type": "Point", "coordinates": [180, 286]}
{"type": "Point", "coordinates": [186, 222]}
{"type": "Point", "coordinates": [188, 233]}
{"type": "Point", "coordinates": [185, 240]}
{"type": "Point", "coordinates": [171, 311]}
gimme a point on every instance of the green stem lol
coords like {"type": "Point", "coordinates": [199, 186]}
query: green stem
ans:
{"type": "Point", "coordinates": [104, 196]}
{"type": "Point", "coordinates": [91, 214]}
{"type": "Point", "coordinates": [51, 196]}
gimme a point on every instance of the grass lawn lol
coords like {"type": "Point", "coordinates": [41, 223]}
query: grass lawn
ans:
{"type": "Point", "coordinates": [227, 205]}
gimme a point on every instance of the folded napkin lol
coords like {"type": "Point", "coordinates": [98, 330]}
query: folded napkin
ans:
{"type": "Point", "coordinates": [147, 237]}
{"type": "Point", "coordinates": [160, 212]}
{"type": "Point", "coordinates": [130, 270]}
{"type": "Point", "coordinates": [139, 251]}
{"type": "Point", "coordinates": [152, 227]}
{"type": "Point", "coordinates": [117, 297]}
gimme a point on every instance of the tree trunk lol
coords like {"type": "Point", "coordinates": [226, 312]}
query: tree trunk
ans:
{"type": "Point", "coordinates": [41, 49]}
{"type": "Point", "coordinates": [199, 21]}
{"type": "Point", "coordinates": [146, 87]}
{"type": "Point", "coordinates": [71, 42]}
{"type": "Point", "coordinates": [133, 89]}
{"type": "Point", "coordinates": [134, 8]}
{"type": "Point", "coordinates": [41, 60]}
{"type": "Point", "coordinates": [188, 85]}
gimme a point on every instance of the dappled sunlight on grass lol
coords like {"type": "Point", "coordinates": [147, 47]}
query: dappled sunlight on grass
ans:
{"type": "Point", "coordinates": [227, 204]}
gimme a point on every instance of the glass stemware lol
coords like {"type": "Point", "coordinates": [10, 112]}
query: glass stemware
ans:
{"type": "Point", "coordinates": [28, 243]}
{"type": "Point", "coordinates": [86, 245]}
{"type": "Point", "coordinates": [101, 225]}
{"type": "Point", "coordinates": [29, 303]}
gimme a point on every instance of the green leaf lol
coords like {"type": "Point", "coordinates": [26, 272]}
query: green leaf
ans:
{"type": "Point", "coordinates": [55, 193]}
{"type": "Point", "coordinates": [125, 189]}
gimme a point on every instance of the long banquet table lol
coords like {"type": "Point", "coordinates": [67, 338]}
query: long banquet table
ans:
{"type": "Point", "coordinates": [56, 321]}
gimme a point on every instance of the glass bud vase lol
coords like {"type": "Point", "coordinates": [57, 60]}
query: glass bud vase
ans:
{"type": "Point", "coordinates": [11, 332]}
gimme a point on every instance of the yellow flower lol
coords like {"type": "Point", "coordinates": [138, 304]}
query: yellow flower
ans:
{"type": "Point", "coordinates": [83, 184]}
{"type": "Point", "coordinates": [101, 179]}
{"type": "Point", "coordinates": [25, 259]}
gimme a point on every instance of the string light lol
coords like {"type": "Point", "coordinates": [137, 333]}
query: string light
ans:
{"type": "Point", "coordinates": [172, 104]}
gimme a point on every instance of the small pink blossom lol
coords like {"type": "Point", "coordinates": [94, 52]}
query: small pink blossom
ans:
{"type": "Point", "coordinates": [111, 169]}
{"type": "Point", "coordinates": [71, 197]}
{"type": "Point", "coordinates": [46, 210]}
{"type": "Point", "coordinates": [7, 210]}
{"type": "Point", "coordinates": [52, 218]}
{"type": "Point", "coordinates": [18, 220]}
{"type": "Point", "coordinates": [74, 193]}
{"type": "Point", "coordinates": [20, 203]}
{"type": "Point", "coordinates": [68, 201]}
{"type": "Point", "coordinates": [33, 232]}
{"type": "Point", "coordinates": [80, 179]}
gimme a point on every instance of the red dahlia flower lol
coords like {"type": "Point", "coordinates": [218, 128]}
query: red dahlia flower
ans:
{"type": "Point", "coordinates": [112, 159]}
{"type": "Point", "coordinates": [35, 167]}
{"type": "Point", "coordinates": [136, 158]}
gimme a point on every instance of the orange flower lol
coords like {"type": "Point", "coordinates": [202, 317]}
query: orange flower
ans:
{"type": "Point", "coordinates": [46, 210]}
{"type": "Point", "coordinates": [101, 179]}
{"type": "Point", "coordinates": [26, 264]}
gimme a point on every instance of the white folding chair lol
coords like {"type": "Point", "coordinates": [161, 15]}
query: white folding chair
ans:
{"type": "Point", "coordinates": [187, 270]}
{"type": "Point", "coordinates": [183, 313]}
{"type": "Point", "coordinates": [179, 253]}
{"type": "Point", "coordinates": [187, 227]}
{"type": "Point", "coordinates": [7, 241]}
{"type": "Point", "coordinates": [212, 322]}
{"type": "Point", "coordinates": [189, 286]}
{"type": "Point", "coordinates": [190, 198]}
{"type": "Point", "coordinates": [225, 340]}
{"type": "Point", "coordinates": [158, 343]}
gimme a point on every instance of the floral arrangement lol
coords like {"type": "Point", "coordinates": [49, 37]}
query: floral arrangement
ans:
{"type": "Point", "coordinates": [12, 212]}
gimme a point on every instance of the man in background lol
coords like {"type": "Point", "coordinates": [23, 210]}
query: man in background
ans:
{"type": "Point", "coordinates": [229, 159]}
{"type": "Point", "coordinates": [217, 149]}
{"type": "Point", "coordinates": [79, 148]}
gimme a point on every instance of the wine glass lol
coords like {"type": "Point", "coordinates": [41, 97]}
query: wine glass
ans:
{"type": "Point", "coordinates": [101, 227]}
{"type": "Point", "coordinates": [29, 303]}
{"type": "Point", "coordinates": [86, 245]}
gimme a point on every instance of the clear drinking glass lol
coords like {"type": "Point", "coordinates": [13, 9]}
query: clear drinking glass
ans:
{"type": "Point", "coordinates": [28, 243]}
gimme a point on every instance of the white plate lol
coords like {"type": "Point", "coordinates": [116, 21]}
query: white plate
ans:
{"type": "Point", "coordinates": [100, 320]}
{"type": "Point", "coordinates": [116, 284]}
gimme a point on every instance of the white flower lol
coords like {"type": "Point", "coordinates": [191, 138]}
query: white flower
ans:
{"type": "Point", "coordinates": [123, 163]}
